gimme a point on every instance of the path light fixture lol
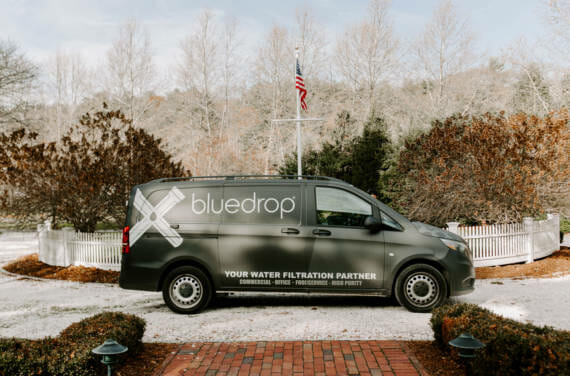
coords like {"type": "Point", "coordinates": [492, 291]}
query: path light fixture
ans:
{"type": "Point", "coordinates": [110, 351]}
{"type": "Point", "coordinates": [467, 344]}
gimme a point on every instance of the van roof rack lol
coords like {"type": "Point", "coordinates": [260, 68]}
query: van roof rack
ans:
{"type": "Point", "coordinates": [244, 177]}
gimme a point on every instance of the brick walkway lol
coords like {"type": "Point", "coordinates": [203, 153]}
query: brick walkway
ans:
{"type": "Point", "coordinates": [293, 358]}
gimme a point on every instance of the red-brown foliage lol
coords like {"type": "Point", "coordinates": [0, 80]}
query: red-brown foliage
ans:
{"type": "Point", "coordinates": [84, 178]}
{"type": "Point", "coordinates": [487, 168]}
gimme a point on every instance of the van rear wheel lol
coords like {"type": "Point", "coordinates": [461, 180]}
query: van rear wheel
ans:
{"type": "Point", "coordinates": [420, 288]}
{"type": "Point", "coordinates": [187, 290]}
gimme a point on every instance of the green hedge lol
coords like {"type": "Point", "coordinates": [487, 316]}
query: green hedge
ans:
{"type": "Point", "coordinates": [512, 348]}
{"type": "Point", "coordinates": [70, 352]}
{"type": "Point", "coordinates": [565, 225]}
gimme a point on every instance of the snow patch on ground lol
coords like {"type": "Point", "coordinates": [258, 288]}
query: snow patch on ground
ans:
{"type": "Point", "coordinates": [13, 246]}
{"type": "Point", "coordinates": [543, 301]}
{"type": "Point", "coordinates": [34, 309]}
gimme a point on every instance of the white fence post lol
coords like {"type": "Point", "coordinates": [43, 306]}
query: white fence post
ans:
{"type": "Point", "coordinates": [528, 223]}
{"type": "Point", "coordinates": [555, 218]}
{"type": "Point", "coordinates": [68, 237]}
{"type": "Point", "coordinates": [453, 227]}
{"type": "Point", "coordinates": [42, 233]}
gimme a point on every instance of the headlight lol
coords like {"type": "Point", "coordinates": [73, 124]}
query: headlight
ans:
{"type": "Point", "coordinates": [457, 246]}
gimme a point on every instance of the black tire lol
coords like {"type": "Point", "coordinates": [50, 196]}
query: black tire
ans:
{"type": "Point", "coordinates": [187, 289]}
{"type": "Point", "coordinates": [420, 288]}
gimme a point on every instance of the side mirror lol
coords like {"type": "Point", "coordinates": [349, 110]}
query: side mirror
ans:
{"type": "Point", "coordinates": [373, 224]}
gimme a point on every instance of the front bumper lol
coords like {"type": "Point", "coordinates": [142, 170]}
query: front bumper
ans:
{"type": "Point", "coordinates": [460, 274]}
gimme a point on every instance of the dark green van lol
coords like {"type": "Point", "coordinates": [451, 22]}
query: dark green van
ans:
{"type": "Point", "coordinates": [193, 237]}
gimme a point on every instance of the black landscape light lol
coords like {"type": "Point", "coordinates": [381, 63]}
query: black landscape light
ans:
{"type": "Point", "coordinates": [110, 351]}
{"type": "Point", "coordinates": [467, 344]}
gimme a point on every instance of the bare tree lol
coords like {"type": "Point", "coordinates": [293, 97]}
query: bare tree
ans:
{"type": "Point", "coordinates": [17, 77]}
{"type": "Point", "coordinates": [275, 68]}
{"type": "Point", "coordinates": [130, 71]}
{"type": "Point", "coordinates": [558, 17]}
{"type": "Point", "coordinates": [365, 54]}
{"type": "Point", "coordinates": [444, 49]}
{"type": "Point", "coordinates": [310, 39]}
{"type": "Point", "coordinates": [69, 83]}
{"type": "Point", "coordinates": [231, 63]}
{"type": "Point", "coordinates": [199, 71]}
{"type": "Point", "coordinates": [531, 92]}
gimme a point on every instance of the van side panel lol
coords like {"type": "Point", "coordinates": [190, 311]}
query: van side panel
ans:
{"type": "Point", "coordinates": [263, 239]}
{"type": "Point", "coordinates": [352, 255]}
{"type": "Point", "coordinates": [189, 231]}
{"type": "Point", "coordinates": [142, 268]}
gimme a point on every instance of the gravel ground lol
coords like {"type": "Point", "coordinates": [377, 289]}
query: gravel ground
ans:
{"type": "Point", "coordinates": [37, 308]}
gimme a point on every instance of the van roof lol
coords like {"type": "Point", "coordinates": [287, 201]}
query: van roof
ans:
{"type": "Point", "coordinates": [248, 177]}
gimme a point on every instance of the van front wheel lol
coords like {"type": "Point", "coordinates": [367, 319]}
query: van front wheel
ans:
{"type": "Point", "coordinates": [420, 288]}
{"type": "Point", "coordinates": [187, 290]}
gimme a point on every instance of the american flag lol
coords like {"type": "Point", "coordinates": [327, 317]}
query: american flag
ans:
{"type": "Point", "coordinates": [300, 85]}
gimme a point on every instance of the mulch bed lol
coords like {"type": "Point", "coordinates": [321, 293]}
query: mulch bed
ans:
{"type": "Point", "coordinates": [147, 361]}
{"type": "Point", "coordinates": [435, 360]}
{"type": "Point", "coordinates": [552, 266]}
{"type": "Point", "coordinates": [31, 266]}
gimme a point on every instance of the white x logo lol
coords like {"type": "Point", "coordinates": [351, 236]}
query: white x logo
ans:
{"type": "Point", "coordinates": [153, 216]}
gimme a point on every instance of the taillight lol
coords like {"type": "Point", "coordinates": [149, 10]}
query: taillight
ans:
{"type": "Point", "coordinates": [126, 248]}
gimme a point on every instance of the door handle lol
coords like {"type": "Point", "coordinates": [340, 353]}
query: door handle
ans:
{"type": "Point", "coordinates": [289, 230]}
{"type": "Point", "coordinates": [176, 227]}
{"type": "Point", "coordinates": [321, 232]}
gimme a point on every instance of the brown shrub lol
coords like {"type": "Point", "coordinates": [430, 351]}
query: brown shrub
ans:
{"type": "Point", "coordinates": [487, 168]}
{"type": "Point", "coordinates": [512, 348]}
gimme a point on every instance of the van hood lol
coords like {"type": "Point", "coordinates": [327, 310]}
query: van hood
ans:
{"type": "Point", "coordinates": [437, 232]}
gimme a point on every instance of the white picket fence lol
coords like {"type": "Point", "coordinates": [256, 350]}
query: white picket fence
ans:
{"type": "Point", "coordinates": [99, 249]}
{"type": "Point", "coordinates": [491, 245]}
{"type": "Point", "coordinates": [67, 247]}
{"type": "Point", "coordinates": [511, 243]}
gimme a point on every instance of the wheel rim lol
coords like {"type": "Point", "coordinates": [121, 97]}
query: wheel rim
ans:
{"type": "Point", "coordinates": [421, 289]}
{"type": "Point", "coordinates": [186, 291]}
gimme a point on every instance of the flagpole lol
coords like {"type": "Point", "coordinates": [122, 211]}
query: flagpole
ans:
{"type": "Point", "coordinates": [299, 154]}
{"type": "Point", "coordinates": [299, 85]}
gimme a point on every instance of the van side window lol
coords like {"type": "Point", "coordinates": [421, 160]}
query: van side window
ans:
{"type": "Point", "coordinates": [337, 207]}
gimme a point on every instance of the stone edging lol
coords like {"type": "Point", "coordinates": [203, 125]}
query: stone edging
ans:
{"type": "Point", "coordinates": [412, 356]}
{"type": "Point", "coordinates": [167, 361]}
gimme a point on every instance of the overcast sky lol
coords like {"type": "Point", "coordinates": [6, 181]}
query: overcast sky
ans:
{"type": "Point", "coordinates": [41, 27]}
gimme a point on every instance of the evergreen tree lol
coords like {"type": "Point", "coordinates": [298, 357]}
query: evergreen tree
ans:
{"type": "Point", "coordinates": [358, 160]}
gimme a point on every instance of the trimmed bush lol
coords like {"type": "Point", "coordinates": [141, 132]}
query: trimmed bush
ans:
{"type": "Point", "coordinates": [512, 348]}
{"type": "Point", "coordinates": [564, 226]}
{"type": "Point", "coordinates": [70, 352]}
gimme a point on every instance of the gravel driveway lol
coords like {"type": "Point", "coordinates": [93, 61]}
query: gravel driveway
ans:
{"type": "Point", "coordinates": [37, 308]}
